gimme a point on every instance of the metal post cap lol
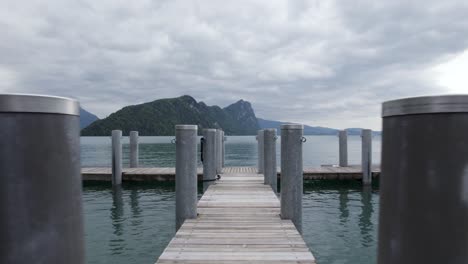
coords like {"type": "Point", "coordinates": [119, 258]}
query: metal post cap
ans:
{"type": "Point", "coordinates": [32, 103]}
{"type": "Point", "coordinates": [426, 105]}
{"type": "Point", "coordinates": [292, 126]}
{"type": "Point", "coordinates": [210, 129]}
{"type": "Point", "coordinates": [186, 127]}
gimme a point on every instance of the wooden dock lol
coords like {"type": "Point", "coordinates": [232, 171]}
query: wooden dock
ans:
{"type": "Point", "coordinates": [168, 174]}
{"type": "Point", "coordinates": [238, 222]}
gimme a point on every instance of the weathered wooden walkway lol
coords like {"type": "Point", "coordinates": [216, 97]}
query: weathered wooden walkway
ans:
{"type": "Point", "coordinates": [168, 174]}
{"type": "Point", "coordinates": [238, 222]}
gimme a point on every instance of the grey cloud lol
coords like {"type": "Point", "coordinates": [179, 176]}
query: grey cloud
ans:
{"type": "Point", "coordinates": [318, 62]}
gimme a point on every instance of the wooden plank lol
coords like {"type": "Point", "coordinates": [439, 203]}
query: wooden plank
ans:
{"type": "Point", "coordinates": [238, 222]}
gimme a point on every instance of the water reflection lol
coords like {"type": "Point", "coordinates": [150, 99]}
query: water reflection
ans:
{"type": "Point", "coordinates": [344, 211]}
{"type": "Point", "coordinates": [135, 207]}
{"type": "Point", "coordinates": [117, 215]}
{"type": "Point", "coordinates": [365, 223]}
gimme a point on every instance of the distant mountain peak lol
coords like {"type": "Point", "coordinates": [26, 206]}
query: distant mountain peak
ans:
{"type": "Point", "coordinates": [86, 118]}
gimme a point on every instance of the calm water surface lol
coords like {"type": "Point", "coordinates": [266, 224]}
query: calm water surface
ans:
{"type": "Point", "coordinates": [133, 224]}
{"type": "Point", "coordinates": [240, 151]}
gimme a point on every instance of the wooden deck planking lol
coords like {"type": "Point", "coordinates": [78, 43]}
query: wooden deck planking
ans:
{"type": "Point", "coordinates": [238, 222]}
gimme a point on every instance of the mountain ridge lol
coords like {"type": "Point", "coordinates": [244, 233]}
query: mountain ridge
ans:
{"type": "Point", "coordinates": [160, 116]}
{"type": "Point", "coordinates": [310, 130]}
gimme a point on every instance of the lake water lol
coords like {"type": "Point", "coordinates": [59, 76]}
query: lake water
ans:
{"type": "Point", "coordinates": [239, 151]}
{"type": "Point", "coordinates": [133, 224]}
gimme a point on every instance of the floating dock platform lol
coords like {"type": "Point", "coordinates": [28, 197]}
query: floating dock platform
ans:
{"type": "Point", "coordinates": [168, 174]}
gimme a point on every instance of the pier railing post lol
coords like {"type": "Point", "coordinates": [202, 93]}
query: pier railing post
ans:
{"type": "Point", "coordinates": [116, 157]}
{"type": "Point", "coordinates": [424, 184]}
{"type": "Point", "coordinates": [260, 151]}
{"type": "Point", "coordinates": [186, 173]}
{"type": "Point", "coordinates": [366, 157]}
{"type": "Point", "coordinates": [269, 156]}
{"type": "Point", "coordinates": [291, 173]}
{"type": "Point", "coordinates": [209, 158]}
{"type": "Point", "coordinates": [133, 149]}
{"type": "Point", "coordinates": [41, 210]}
{"type": "Point", "coordinates": [343, 148]}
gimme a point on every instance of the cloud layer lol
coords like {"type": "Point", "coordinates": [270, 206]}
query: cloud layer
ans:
{"type": "Point", "coordinates": [327, 63]}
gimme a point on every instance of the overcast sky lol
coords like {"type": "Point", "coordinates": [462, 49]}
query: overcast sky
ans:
{"type": "Point", "coordinates": [328, 63]}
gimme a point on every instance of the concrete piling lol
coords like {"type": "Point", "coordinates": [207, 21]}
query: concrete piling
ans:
{"type": "Point", "coordinates": [209, 158]}
{"type": "Point", "coordinates": [343, 148]}
{"type": "Point", "coordinates": [133, 149]}
{"type": "Point", "coordinates": [186, 173]}
{"type": "Point", "coordinates": [219, 151]}
{"type": "Point", "coordinates": [260, 151]}
{"type": "Point", "coordinates": [424, 184]}
{"type": "Point", "coordinates": [291, 173]}
{"type": "Point", "coordinates": [366, 157]}
{"type": "Point", "coordinates": [269, 156]}
{"type": "Point", "coordinates": [223, 152]}
{"type": "Point", "coordinates": [116, 157]}
{"type": "Point", "coordinates": [41, 216]}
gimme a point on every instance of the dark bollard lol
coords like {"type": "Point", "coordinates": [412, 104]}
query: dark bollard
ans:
{"type": "Point", "coordinates": [260, 151]}
{"type": "Point", "coordinates": [116, 157]}
{"type": "Point", "coordinates": [133, 149]}
{"type": "Point", "coordinates": [291, 173]}
{"type": "Point", "coordinates": [269, 157]}
{"type": "Point", "coordinates": [343, 148]}
{"type": "Point", "coordinates": [40, 205]}
{"type": "Point", "coordinates": [424, 183]}
{"type": "Point", "coordinates": [366, 157]}
{"type": "Point", "coordinates": [186, 173]}
{"type": "Point", "coordinates": [209, 158]}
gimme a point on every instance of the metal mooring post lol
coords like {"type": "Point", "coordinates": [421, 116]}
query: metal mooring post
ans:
{"type": "Point", "coordinates": [424, 183]}
{"type": "Point", "coordinates": [133, 149]}
{"type": "Point", "coordinates": [260, 150]}
{"type": "Point", "coordinates": [366, 157]}
{"type": "Point", "coordinates": [186, 173]}
{"type": "Point", "coordinates": [269, 156]}
{"type": "Point", "coordinates": [343, 147]}
{"type": "Point", "coordinates": [209, 158]}
{"type": "Point", "coordinates": [116, 157]}
{"type": "Point", "coordinates": [291, 173]}
{"type": "Point", "coordinates": [41, 217]}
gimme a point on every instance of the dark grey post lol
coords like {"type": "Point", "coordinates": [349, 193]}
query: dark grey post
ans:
{"type": "Point", "coordinates": [40, 206]}
{"type": "Point", "coordinates": [269, 155]}
{"type": "Point", "coordinates": [260, 150]}
{"type": "Point", "coordinates": [186, 173]}
{"type": "Point", "coordinates": [424, 183]}
{"type": "Point", "coordinates": [133, 149]}
{"type": "Point", "coordinates": [219, 151]}
{"type": "Point", "coordinates": [116, 157]}
{"type": "Point", "coordinates": [366, 157]}
{"type": "Point", "coordinates": [291, 173]}
{"type": "Point", "coordinates": [209, 158]}
{"type": "Point", "coordinates": [343, 147]}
